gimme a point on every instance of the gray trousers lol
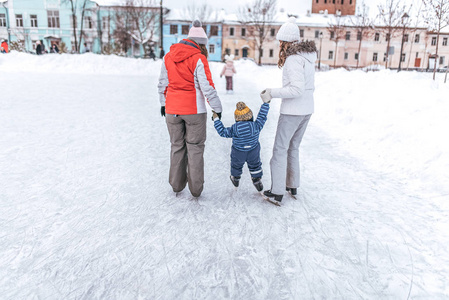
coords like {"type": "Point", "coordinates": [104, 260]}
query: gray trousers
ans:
{"type": "Point", "coordinates": [187, 138]}
{"type": "Point", "coordinates": [284, 163]}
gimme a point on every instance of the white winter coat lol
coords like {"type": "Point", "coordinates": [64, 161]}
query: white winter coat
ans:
{"type": "Point", "coordinates": [298, 84]}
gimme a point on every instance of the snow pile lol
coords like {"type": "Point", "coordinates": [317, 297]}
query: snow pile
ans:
{"type": "Point", "coordinates": [88, 63]}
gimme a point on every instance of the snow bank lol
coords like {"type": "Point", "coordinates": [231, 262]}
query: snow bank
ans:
{"type": "Point", "coordinates": [76, 63]}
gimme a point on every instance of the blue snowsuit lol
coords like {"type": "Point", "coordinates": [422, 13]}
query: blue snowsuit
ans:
{"type": "Point", "coordinates": [245, 143]}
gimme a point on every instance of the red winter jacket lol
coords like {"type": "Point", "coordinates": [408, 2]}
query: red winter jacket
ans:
{"type": "Point", "coordinates": [5, 46]}
{"type": "Point", "coordinates": [185, 81]}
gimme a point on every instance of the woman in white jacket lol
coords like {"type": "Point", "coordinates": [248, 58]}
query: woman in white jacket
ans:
{"type": "Point", "coordinates": [298, 62]}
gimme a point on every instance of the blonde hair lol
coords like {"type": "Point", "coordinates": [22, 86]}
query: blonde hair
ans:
{"type": "Point", "coordinates": [283, 53]}
{"type": "Point", "coordinates": [203, 48]}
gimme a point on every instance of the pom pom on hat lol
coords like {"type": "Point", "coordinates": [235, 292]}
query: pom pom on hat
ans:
{"type": "Point", "coordinates": [289, 31]}
{"type": "Point", "coordinates": [197, 33]}
{"type": "Point", "coordinates": [242, 113]}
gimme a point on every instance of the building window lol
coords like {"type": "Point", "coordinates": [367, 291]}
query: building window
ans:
{"type": "Point", "coordinates": [331, 54]}
{"type": "Point", "coordinates": [2, 20]}
{"type": "Point", "coordinates": [416, 38]}
{"type": "Point", "coordinates": [359, 36]}
{"type": "Point", "coordinates": [445, 41]}
{"type": "Point", "coordinates": [105, 23]}
{"type": "Point", "coordinates": [332, 34]}
{"type": "Point", "coordinates": [53, 18]}
{"type": "Point", "coordinates": [231, 31]}
{"type": "Point", "coordinates": [272, 32]}
{"type": "Point", "coordinates": [211, 49]}
{"type": "Point", "coordinates": [376, 37]}
{"type": "Point", "coordinates": [406, 38]}
{"type": "Point", "coordinates": [375, 56]}
{"type": "Point", "coordinates": [33, 20]}
{"type": "Point", "coordinates": [387, 37]}
{"type": "Point", "coordinates": [205, 28]}
{"type": "Point", "coordinates": [350, 2]}
{"type": "Point", "coordinates": [227, 51]}
{"type": "Point", "coordinates": [301, 33]}
{"type": "Point", "coordinates": [342, 1]}
{"type": "Point", "coordinates": [19, 20]}
{"type": "Point", "coordinates": [417, 54]}
{"type": "Point", "coordinates": [271, 52]}
{"type": "Point", "coordinates": [441, 60]}
{"type": "Point", "coordinates": [214, 30]}
{"type": "Point", "coordinates": [356, 56]}
{"type": "Point", "coordinates": [243, 32]}
{"type": "Point", "coordinates": [317, 34]}
{"type": "Point", "coordinates": [184, 29]}
{"type": "Point", "coordinates": [348, 35]}
{"type": "Point", "coordinates": [346, 55]}
{"type": "Point", "coordinates": [385, 57]}
{"type": "Point", "coordinates": [434, 41]}
{"type": "Point", "coordinates": [173, 29]}
{"type": "Point", "coordinates": [403, 57]}
{"type": "Point", "coordinates": [236, 52]}
{"type": "Point", "coordinates": [88, 23]}
{"type": "Point", "coordinates": [261, 52]}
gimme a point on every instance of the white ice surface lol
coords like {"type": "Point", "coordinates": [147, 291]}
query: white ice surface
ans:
{"type": "Point", "coordinates": [86, 211]}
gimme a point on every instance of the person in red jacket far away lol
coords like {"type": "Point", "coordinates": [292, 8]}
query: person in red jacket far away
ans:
{"type": "Point", "coordinates": [4, 46]}
{"type": "Point", "coordinates": [184, 85]}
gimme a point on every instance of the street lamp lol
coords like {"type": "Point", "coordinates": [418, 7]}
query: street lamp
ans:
{"type": "Point", "coordinates": [161, 24]}
{"type": "Point", "coordinates": [321, 42]}
{"type": "Point", "coordinates": [404, 22]}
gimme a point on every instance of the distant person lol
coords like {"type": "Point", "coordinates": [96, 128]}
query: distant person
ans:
{"type": "Point", "coordinates": [229, 71]}
{"type": "Point", "coordinates": [245, 142]}
{"type": "Point", "coordinates": [86, 48]}
{"type": "Point", "coordinates": [54, 49]}
{"type": "Point", "coordinates": [297, 59]}
{"type": "Point", "coordinates": [162, 54]}
{"type": "Point", "coordinates": [4, 46]}
{"type": "Point", "coordinates": [152, 55]}
{"type": "Point", "coordinates": [38, 48]}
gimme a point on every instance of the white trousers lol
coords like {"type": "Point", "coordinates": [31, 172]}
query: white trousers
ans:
{"type": "Point", "coordinates": [285, 160]}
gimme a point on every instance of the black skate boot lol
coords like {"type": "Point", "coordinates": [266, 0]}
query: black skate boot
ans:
{"type": "Point", "coordinates": [235, 180]}
{"type": "Point", "coordinates": [273, 198]}
{"type": "Point", "coordinates": [257, 183]}
{"type": "Point", "coordinates": [292, 191]}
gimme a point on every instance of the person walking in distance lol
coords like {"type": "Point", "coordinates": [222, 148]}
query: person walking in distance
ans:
{"type": "Point", "coordinates": [298, 62]}
{"type": "Point", "coordinates": [185, 82]}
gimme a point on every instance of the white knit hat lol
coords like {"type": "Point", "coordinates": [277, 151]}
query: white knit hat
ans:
{"type": "Point", "coordinates": [289, 32]}
{"type": "Point", "coordinates": [197, 33]}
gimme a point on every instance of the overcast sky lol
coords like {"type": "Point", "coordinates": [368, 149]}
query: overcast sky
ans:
{"type": "Point", "coordinates": [291, 6]}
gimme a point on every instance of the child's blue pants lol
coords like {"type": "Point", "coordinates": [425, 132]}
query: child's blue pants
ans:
{"type": "Point", "coordinates": [251, 157]}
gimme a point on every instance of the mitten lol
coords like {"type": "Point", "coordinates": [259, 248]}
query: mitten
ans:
{"type": "Point", "coordinates": [266, 95]}
{"type": "Point", "coordinates": [163, 111]}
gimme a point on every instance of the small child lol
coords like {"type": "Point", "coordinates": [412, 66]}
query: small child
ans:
{"type": "Point", "coordinates": [245, 142]}
{"type": "Point", "coordinates": [229, 71]}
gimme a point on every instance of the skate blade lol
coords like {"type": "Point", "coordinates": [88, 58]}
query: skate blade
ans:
{"type": "Point", "coordinates": [274, 202]}
{"type": "Point", "coordinates": [293, 196]}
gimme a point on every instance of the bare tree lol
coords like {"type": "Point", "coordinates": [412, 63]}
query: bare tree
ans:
{"type": "Point", "coordinates": [363, 24]}
{"type": "Point", "coordinates": [135, 21]}
{"type": "Point", "coordinates": [143, 17]}
{"type": "Point", "coordinates": [417, 20]}
{"type": "Point", "coordinates": [391, 21]}
{"type": "Point", "coordinates": [201, 12]}
{"type": "Point", "coordinates": [74, 6]}
{"type": "Point", "coordinates": [437, 17]}
{"type": "Point", "coordinates": [259, 15]}
{"type": "Point", "coordinates": [337, 31]}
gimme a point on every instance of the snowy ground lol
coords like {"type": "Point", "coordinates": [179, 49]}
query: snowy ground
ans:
{"type": "Point", "coordinates": [87, 212]}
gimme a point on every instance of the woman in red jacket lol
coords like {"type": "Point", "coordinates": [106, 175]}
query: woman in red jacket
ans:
{"type": "Point", "coordinates": [184, 85]}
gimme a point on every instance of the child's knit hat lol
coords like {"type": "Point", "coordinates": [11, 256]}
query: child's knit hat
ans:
{"type": "Point", "coordinates": [197, 33]}
{"type": "Point", "coordinates": [289, 31]}
{"type": "Point", "coordinates": [242, 113]}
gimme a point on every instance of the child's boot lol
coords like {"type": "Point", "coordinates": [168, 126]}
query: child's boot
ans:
{"type": "Point", "coordinates": [235, 180]}
{"type": "Point", "coordinates": [257, 183]}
